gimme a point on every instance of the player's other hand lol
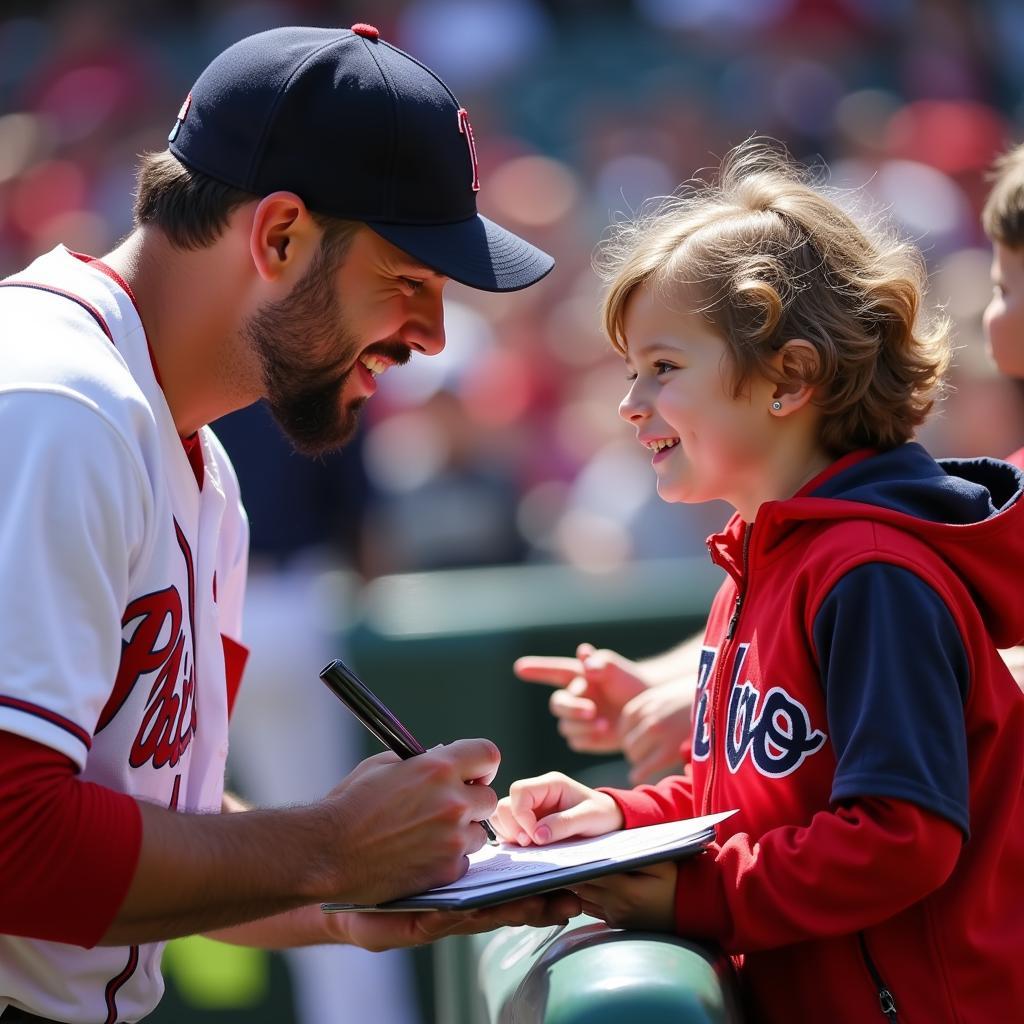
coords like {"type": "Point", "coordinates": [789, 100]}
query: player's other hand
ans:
{"type": "Point", "coordinates": [551, 807]}
{"type": "Point", "coordinates": [378, 932]}
{"type": "Point", "coordinates": [643, 900]}
{"type": "Point", "coordinates": [657, 731]}
{"type": "Point", "coordinates": [393, 827]}
{"type": "Point", "coordinates": [592, 690]}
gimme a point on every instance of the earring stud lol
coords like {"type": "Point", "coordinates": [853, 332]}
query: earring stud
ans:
{"type": "Point", "coordinates": [776, 406]}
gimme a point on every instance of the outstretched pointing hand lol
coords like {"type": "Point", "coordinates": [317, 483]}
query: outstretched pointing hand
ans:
{"type": "Point", "coordinates": [592, 690]}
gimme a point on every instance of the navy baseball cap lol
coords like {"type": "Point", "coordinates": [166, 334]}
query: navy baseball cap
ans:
{"type": "Point", "coordinates": [360, 130]}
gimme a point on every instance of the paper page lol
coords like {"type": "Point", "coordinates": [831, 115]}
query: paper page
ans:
{"type": "Point", "coordinates": [493, 865]}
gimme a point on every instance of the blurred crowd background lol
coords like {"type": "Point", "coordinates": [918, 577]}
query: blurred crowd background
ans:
{"type": "Point", "coordinates": [507, 448]}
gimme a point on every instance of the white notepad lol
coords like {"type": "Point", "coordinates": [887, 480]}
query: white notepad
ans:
{"type": "Point", "coordinates": [497, 874]}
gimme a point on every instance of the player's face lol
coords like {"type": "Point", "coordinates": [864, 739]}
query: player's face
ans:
{"type": "Point", "coordinates": [353, 315]}
{"type": "Point", "coordinates": [705, 443]}
{"type": "Point", "coordinates": [1004, 315]}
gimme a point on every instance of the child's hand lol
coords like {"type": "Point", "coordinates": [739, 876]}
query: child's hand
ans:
{"type": "Point", "coordinates": [591, 691]}
{"type": "Point", "coordinates": [552, 807]}
{"type": "Point", "coordinates": [642, 899]}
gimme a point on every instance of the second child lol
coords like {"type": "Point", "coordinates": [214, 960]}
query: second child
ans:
{"type": "Point", "coordinates": [1003, 221]}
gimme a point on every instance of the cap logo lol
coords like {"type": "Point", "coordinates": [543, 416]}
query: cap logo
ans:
{"type": "Point", "coordinates": [465, 128]}
{"type": "Point", "coordinates": [182, 114]}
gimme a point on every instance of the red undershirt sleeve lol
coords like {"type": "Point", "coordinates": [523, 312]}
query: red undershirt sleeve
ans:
{"type": "Point", "coordinates": [845, 871]}
{"type": "Point", "coordinates": [235, 657]}
{"type": "Point", "coordinates": [68, 849]}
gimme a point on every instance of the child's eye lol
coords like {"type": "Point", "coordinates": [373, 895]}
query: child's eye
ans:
{"type": "Point", "coordinates": [660, 366]}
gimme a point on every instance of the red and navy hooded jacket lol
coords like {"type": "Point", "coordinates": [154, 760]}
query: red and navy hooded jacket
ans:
{"type": "Point", "coordinates": [853, 706]}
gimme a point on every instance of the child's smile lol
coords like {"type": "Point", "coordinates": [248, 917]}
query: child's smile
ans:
{"type": "Point", "coordinates": [660, 446]}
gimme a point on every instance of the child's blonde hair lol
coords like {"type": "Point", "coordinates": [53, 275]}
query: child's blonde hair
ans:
{"type": "Point", "coordinates": [773, 259]}
{"type": "Point", "coordinates": [1003, 214]}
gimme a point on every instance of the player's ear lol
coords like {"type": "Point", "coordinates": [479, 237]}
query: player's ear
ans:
{"type": "Point", "coordinates": [283, 236]}
{"type": "Point", "coordinates": [797, 363]}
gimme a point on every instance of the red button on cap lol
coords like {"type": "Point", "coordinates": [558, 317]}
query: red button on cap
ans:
{"type": "Point", "coordinates": [366, 31]}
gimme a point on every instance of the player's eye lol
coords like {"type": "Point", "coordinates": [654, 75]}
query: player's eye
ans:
{"type": "Point", "coordinates": [414, 284]}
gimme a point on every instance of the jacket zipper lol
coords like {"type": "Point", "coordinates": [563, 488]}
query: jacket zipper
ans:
{"type": "Point", "coordinates": [730, 632]}
{"type": "Point", "coordinates": [885, 999]}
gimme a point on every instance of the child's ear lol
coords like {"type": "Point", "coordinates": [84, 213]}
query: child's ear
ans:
{"type": "Point", "coordinates": [797, 364]}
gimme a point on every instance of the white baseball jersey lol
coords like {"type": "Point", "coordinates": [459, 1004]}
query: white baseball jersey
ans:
{"type": "Point", "coordinates": [120, 576]}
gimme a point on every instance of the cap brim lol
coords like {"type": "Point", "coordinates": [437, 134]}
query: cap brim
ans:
{"type": "Point", "coordinates": [475, 252]}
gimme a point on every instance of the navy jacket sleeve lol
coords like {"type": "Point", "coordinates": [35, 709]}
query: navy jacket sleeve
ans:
{"type": "Point", "coordinates": [895, 704]}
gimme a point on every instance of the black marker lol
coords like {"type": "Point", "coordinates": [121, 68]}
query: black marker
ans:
{"type": "Point", "coordinates": [378, 718]}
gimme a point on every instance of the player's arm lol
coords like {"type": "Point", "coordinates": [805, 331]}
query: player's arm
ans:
{"type": "Point", "coordinates": [310, 926]}
{"type": "Point", "coordinates": [67, 849]}
{"type": "Point", "coordinates": [80, 863]}
{"type": "Point", "coordinates": [391, 828]}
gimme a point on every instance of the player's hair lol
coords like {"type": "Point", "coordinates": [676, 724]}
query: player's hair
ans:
{"type": "Point", "coordinates": [1002, 217]}
{"type": "Point", "coordinates": [192, 209]}
{"type": "Point", "coordinates": [770, 257]}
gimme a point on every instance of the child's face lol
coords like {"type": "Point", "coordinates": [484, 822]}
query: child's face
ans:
{"type": "Point", "coordinates": [682, 394]}
{"type": "Point", "coordinates": [1004, 315]}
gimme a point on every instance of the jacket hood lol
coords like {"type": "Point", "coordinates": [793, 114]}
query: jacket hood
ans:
{"type": "Point", "coordinates": [968, 510]}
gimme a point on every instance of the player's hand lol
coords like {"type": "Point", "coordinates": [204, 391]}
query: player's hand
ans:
{"type": "Point", "coordinates": [641, 900]}
{"type": "Point", "coordinates": [309, 926]}
{"type": "Point", "coordinates": [393, 827]}
{"type": "Point", "coordinates": [551, 807]}
{"type": "Point", "coordinates": [378, 932]}
{"type": "Point", "coordinates": [592, 690]}
{"type": "Point", "coordinates": [657, 731]}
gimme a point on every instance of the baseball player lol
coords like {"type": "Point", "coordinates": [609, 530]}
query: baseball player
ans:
{"type": "Point", "coordinates": [291, 244]}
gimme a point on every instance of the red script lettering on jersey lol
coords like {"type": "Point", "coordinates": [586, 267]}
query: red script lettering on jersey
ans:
{"type": "Point", "coordinates": [169, 720]}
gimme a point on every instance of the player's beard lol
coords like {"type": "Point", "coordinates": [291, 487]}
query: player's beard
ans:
{"type": "Point", "coordinates": [302, 391]}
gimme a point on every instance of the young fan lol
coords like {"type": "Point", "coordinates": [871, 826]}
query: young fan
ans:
{"type": "Point", "coordinates": [851, 703]}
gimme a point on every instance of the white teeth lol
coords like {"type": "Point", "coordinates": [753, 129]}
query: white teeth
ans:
{"type": "Point", "coordinates": [374, 364]}
{"type": "Point", "coordinates": [661, 443]}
